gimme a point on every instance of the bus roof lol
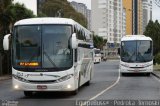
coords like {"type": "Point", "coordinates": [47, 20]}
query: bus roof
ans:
{"type": "Point", "coordinates": [49, 20]}
{"type": "Point", "coordinates": [135, 37]}
{"type": "Point", "coordinates": [45, 20]}
{"type": "Point", "coordinates": [52, 20]}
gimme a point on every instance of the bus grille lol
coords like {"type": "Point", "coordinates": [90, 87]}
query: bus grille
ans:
{"type": "Point", "coordinates": [42, 82]}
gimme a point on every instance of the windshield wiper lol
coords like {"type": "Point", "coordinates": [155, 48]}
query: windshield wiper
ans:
{"type": "Point", "coordinates": [129, 60]}
{"type": "Point", "coordinates": [49, 58]}
{"type": "Point", "coordinates": [31, 58]}
{"type": "Point", "coordinates": [139, 54]}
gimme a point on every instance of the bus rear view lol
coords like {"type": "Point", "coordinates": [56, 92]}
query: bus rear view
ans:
{"type": "Point", "coordinates": [136, 54]}
{"type": "Point", "coordinates": [97, 55]}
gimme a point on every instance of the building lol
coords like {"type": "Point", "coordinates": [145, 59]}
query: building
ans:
{"type": "Point", "coordinates": [82, 8]}
{"type": "Point", "coordinates": [89, 18]}
{"type": "Point", "coordinates": [106, 20]}
{"type": "Point", "coordinates": [134, 16]}
{"type": "Point", "coordinates": [128, 8]}
{"type": "Point", "coordinates": [147, 12]}
{"type": "Point", "coordinates": [137, 17]}
{"type": "Point", "coordinates": [124, 22]}
{"type": "Point", "coordinates": [79, 7]}
{"type": "Point", "coordinates": [39, 5]}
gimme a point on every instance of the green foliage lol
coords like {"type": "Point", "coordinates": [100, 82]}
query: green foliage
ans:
{"type": "Point", "coordinates": [4, 4]}
{"type": "Point", "coordinates": [4, 18]}
{"type": "Point", "coordinates": [99, 42]}
{"type": "Point", "coordinates": [157, 58]}
{"type": "Point", "coordinates": [40, 14]}
{"type": "Point", "coordinates": [61, 8]}
{"type": "Point", "coordinates": [153, 31]}
{"type": "Point", "coordinates": [18, 12]}
{"type": "Point", "coordinates": [10, 13]}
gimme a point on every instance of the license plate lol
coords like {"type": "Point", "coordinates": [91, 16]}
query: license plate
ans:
{"type": "Point", "coordinates": [136, 70]}
{"type": "Point", "coordinates": [41, 87]}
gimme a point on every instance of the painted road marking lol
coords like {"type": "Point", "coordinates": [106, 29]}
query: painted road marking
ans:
{"type": "Point", "coordinates": [156, 78]}
{"type": "Point", "coordinates": [105, 90]}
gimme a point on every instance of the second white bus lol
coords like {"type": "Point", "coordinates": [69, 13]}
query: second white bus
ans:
{"type": "Point", "coordinates": [136, 54]}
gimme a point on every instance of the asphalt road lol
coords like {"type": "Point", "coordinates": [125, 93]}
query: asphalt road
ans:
{"type": "Point", "coordinates": [107, 84]}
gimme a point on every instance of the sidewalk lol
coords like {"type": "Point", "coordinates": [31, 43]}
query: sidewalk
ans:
{"type": "Point", "coordinates": [156, 73]}
{"type": "Point", "coordinates": [5, 77]}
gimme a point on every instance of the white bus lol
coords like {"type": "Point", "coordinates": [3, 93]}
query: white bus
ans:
{"type": "Point", "coordinates": [97, 55]}
{"type": "Point", "coordinates": [136, 54]}
{"type": "Point", "coordinates": [50, 54]}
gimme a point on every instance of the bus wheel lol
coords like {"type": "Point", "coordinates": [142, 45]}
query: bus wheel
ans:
{"type": "Point", "coordinates": [28, 93]}
{"type": "Point", "coordinates": [75, 92]}
{"type": "Point", "coordinates": [87, 83]}
{"type": "Point", "coordinates": [123, 74]}
{"type": "Point", "coordinates": [148, 74]}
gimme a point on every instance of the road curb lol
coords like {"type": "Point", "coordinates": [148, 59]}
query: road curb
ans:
{"type": "Point", "coordinates": [156, 75]}
{"type": "Point", "coordinates": [5, 77]}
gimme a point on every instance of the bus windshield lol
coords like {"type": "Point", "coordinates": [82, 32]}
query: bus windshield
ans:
{"type": "Point", "coordinates": [136, 51]}
{"type": "Point", "coordinates": [42, 46]}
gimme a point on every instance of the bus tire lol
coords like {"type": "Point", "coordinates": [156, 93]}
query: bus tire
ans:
{"type": "Point", "coordinates": [148, 74]}
{"type": "Point", "coordinates": [75, 92]}
{"type": "Point", "coordinates": [123, 74]}
{"type": "Point", "coordinates": [28, 93]}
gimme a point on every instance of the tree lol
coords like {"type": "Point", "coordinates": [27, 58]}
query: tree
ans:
{"type": "Point", "coordinates": [9, 14]}
{"type": "Point", "coordinates": [152, 30]}
{"type": "Point", "coordinates": [99, 42]}
{"type": "Point", "coordinates": [17, 12]}
{"type": "Point", "coordinates": [4, 18]}
{"type": "Point", "coordinates": [61, 8]}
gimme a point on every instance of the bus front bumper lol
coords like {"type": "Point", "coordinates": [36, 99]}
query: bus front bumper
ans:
{"type": "Point", "coordinates": [130, 70]}
{"type": "Point", "coordinates": [67, 85]}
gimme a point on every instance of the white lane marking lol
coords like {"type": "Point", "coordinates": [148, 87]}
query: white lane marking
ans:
{"type": "Point", "coordinates": [156, 78]}
{"type": "Point", "coordinates": [105, 90]}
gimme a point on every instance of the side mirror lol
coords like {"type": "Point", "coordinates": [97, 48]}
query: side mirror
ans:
{"type": "Point", "coordinates": [73, 41]}
{"type": "Point", "coordinates": [6, 42]}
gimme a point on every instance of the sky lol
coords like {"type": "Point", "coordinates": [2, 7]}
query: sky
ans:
{"type": "Point", "coordinates": [31, 4]}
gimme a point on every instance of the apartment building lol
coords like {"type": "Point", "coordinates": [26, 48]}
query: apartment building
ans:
{"type": "Point", "coordinates": [107, 20]}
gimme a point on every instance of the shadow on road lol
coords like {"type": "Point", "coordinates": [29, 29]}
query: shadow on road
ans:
{"type": "Point", "coordinates": [135, 75]}
{"type": "Point", "coordinates": [54, 95]}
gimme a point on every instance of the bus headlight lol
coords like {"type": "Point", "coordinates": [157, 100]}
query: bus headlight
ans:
{"type": "Point", "coordinates": [64, 78]}
{"type": "Point", "coordinates": [69, 86]}
{"type": "Point", "coordinates": [19, 78]}
{"type": "Point", "coordinates": [16, 87]}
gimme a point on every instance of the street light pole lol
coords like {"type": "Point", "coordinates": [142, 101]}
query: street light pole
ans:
{"type": "Point", "coordinates": [59, 13]}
